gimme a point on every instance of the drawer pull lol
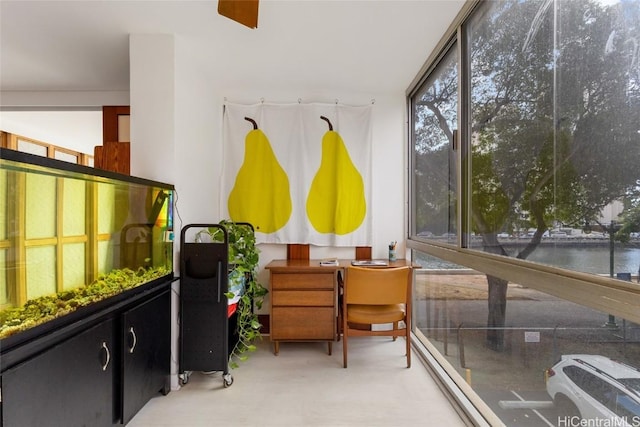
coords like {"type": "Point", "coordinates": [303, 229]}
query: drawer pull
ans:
{"type": "Point", "coordinates": [134, 340]}
{"type": "Point", "coordinates": [107, 354]}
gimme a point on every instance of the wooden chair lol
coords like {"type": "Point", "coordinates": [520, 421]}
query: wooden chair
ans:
{"type": "Point", "coordinates": [362, 253]}
{"type": "Point", "coordinates": [377, 296]}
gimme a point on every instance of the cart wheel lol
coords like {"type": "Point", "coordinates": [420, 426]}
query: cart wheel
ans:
{"type": "Point", "coordinates": [227, 380]}
{"type": "Point", "coordinates": [183, 378]}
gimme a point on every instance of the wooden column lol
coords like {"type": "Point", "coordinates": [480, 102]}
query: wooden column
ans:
{"type": "Point", "coordinates": [115, 153]}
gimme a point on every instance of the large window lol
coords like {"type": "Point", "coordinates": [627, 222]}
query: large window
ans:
{"type": "Point", "coordinates": [435, 114]}
{"type": "Point", "coordinates": [523, 222]}
{"type": "Point", "coordinates": [554, 106]}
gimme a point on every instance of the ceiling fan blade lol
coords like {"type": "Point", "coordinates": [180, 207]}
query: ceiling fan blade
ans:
{"type": "Point", "coordinates": [242, 11]}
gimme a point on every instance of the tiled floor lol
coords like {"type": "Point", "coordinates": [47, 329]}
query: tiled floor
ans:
{"type": "Point", "coordinates": [304, 386]}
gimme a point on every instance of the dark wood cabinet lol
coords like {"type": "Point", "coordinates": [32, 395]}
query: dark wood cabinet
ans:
{"type": "Point", "coordinates": [96, 371]}
{"type": "Point", "coordinates": [145, 358]}
{"type": "Point", "coordinates": [70, 384]}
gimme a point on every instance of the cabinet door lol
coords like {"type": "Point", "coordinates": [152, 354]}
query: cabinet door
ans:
{"type": "Point", "coordinates": [146, 353]}
{"type": "Point", "coordinates": [70, 384]}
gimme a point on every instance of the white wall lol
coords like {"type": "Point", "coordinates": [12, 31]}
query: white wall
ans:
{"type": "Point", "coordinates": [196, 105]}
{"type": "Point", "coordinates": [152, 96]}
{"type": "Point", "coordinates": [199, 101]}
{"type": "Point", "coordinates": [76, 130]}
{"type": "Point", "coordinates": [176, 134]}
{"type": "Point", "coordinates": [197, 150]}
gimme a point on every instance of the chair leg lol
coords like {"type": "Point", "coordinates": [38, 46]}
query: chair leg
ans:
{"type": "Point", "coordinates": [339, 322]}
{"type": "Point", "coordinates": [408, 340]}
{"type": "Point", "coordinates": [395, 328]}
{"type": "Point", "coordinates": [340, 308]}
{"type": "Point", "coordinates": [345, 334]}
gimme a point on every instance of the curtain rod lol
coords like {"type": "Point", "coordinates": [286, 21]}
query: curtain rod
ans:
{"type": "Point", "coordinates": [337, 101]}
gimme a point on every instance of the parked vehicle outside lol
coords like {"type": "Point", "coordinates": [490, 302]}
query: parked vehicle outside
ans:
{"type": "Point", "coordinates": [595, 388]}
{"type": "Point", "coordinates": [425, 234]}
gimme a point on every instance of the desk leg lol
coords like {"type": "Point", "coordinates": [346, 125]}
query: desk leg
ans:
{"type": "Point", "coordinates": [276, 347]}
{"type": "Point", "coordinates": [330, 347]}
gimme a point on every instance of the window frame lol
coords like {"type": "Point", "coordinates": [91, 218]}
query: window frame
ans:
{"type": "Point", "coordinates": [608, 295]}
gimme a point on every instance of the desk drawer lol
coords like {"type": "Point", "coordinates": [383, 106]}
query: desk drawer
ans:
{"type": "Point", "coordinates": [303, 280]}
{"type": "Point", "coordinates": [308, 323]}
{"type": "Point", "coordinates": [302, 298]}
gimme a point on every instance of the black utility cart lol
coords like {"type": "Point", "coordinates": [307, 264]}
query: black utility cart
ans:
{"type": "Point", "coordinates": [204, 320]}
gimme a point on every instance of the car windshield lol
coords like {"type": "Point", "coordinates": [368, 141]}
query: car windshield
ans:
{"type": "Point", "coordinates": [632, 383]}
{"type": "Point", "coordinates": [627, 407]}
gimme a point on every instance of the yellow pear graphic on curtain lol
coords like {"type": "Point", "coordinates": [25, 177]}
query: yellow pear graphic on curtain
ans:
{"type": "Point", "coordinates": [336, 201]}
{"type": "Point", "coordinates": [260, 195]}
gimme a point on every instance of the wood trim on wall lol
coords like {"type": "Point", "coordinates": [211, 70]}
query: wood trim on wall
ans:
{"type": "Point", "coordinates": [114, 154]}
{"type": "Point", "coordinates": [110, 121]}
{"type": "Point", "coordinates": [296, 251]}
{"type": "Point", "coordinates": [363, 252]}
{"type": "Point", "coordinates": [4, 139]}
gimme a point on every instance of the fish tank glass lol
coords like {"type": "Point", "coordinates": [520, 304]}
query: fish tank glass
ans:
{"type": "Point", "coordinates": [72, 236]}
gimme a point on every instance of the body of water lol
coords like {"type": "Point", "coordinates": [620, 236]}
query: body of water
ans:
{"type": "Point", "coordinates": [588, 258]}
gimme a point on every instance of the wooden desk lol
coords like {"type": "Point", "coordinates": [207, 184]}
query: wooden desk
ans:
{"type": "Point", "coordinates": [304, 300]}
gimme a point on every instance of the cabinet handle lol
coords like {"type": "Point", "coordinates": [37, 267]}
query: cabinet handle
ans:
{"type": "Point", "coordinates": [108, 354]}
{"type": "Point", "coordinates": [219, 279]}
{"type": "Point", "coordinates": [135, 340]}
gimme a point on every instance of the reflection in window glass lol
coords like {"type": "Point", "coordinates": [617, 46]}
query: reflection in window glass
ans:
{"type": "Point", "coordinates": [40, 206]}
{"type": "Point", "coordinates": [627, 407]}
{"type": "Point", "coordinates": [73, 261]}
{"type": "Point", "coordinates": [450, 313]}
{"type": "Point", "coordinates": [3, 204]}
{"type": "Point", "coordinates": [552, 93]}
{"type": "Point", "coordinates": [434, 110]}
{"type": "Point", "coordinates": [73, 211]}
{"type": "Point", "coordinates": [432, 262]}
{"type": "Point", "coordinates": [512, 128]}
{"type": "Point", "coordinates": [106, 257]}
{"type": "Point", "coordinates": [4, 291]}
{"type": "Point", "coordinates": [41, 271]}
{"type": "Point", "coordinates": [106, 220]}
{"type": "Point", "coordinates": [555, 107]}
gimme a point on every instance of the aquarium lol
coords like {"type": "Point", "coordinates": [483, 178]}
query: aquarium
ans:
{"type": "Point", "coordinates": [72, 236]}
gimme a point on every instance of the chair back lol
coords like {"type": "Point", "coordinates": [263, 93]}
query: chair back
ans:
{"type": "Point", "coordinates": [378, 286]}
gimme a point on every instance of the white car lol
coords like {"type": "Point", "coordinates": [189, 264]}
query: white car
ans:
{"type": "Point", "coordinates": [594, 387]}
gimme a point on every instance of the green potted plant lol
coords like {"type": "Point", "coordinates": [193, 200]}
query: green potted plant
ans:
{"type": "Point", "coordinates": [243, 286]}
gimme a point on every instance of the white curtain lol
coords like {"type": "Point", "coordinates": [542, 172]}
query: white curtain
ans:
{"type": "Point", "coordinates": [294, 179]}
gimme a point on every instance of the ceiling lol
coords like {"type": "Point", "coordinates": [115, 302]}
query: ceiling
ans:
{"type": "Point", "coordinates": [82, 45]}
